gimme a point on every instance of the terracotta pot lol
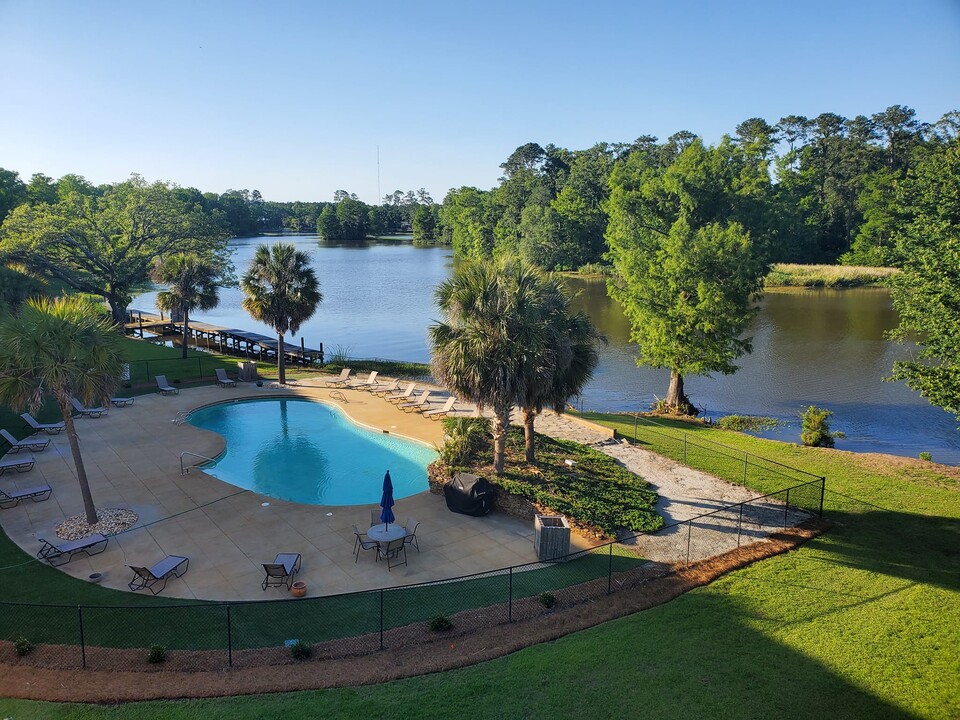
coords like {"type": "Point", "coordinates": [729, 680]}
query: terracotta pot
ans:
{"type": "Point", "coordinates": [299, 589]}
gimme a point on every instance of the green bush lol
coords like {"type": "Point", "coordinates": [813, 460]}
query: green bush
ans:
{"type": "Point", "coordinates": [156, 654]}
{"type": "Point", "coordinates": [466, 437]}
{"type": "Point", "coordinates": [301, 650]}
{"type": "Point", "coordinates": [22, 646]}
{"type": "Point", "coordinates": [748, 423]}
{"type": "Point", "coordinates": [815, 428]}
{"type": "Point", "coordinates": [440, 623]}
{"type": "Point", "coordinates": [926, 456]}
{"type": "Point", "coordinates": [547, 599]}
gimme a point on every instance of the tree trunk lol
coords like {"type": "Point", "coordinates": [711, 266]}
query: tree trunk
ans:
{"type": "Point", "coordinates": [529, 416]}
{"type": "Point", "coordinates": [676, 400]}
{"type": "Point", "coordinates": [281, 365]}
{"type": "Point", "coordinates": [186, 333]}
{"type": "Point", "coordinates": [88, 506]}
{"type": "Point", "coordinates": [501, 424]}
{"type": "Point", "coordinates": [118, 309]}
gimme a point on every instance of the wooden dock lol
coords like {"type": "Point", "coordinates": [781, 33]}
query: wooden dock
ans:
{"type": "Point", "coordinates": [229, 341]}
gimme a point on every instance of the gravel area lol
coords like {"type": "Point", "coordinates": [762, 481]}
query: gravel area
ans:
{"type": "Point", "coordinates": [111, 522]}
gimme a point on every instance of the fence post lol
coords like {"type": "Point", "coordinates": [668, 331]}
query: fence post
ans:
{"type": "Point", "coordinates": [636, 417]}
{"type": "Point", "coordinates": [689, 532]}
{"type": "Point", "coordinates": [739, 524]}
{"type": "Point", "coordinates": [199, 367]}
{"type": "Point", "coordinates": [745, 456]}
{"type": "Point", "coordinates": [83, 645]}
{"type": "Point", "coordinates": [786, 509]}
{"type": "Point", "coordinates": [146, 369]}
{"type": "Point", "coordinates": [381, 618]}
{"type": "Point", "coordinates": [684, 448]}
{"type": "Point", "coordinates": [229, 639]}
{"type": "Point", "coordinates": [823, 485]}
{"type": "Point", "coordinates": [610, 570]}
{"type": "Point", "coordinates": [510, 600]}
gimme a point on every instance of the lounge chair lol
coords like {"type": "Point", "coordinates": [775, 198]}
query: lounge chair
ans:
{"type": "Point", "coordinates": [281, 571]}
{"type": "Point", "coordinates": [405, 395]}
{"type": "Point", "coordinates": [223, 380]}
{"type": "Point", "coordinates": [369, 384]}
{"type": "Point", "coordinates": [63, 551]}
{"type": "Point", "coordinates": [411, 537]}
{"type": "Point", "coordinates": [440, 412]}
{"type": "Point", "coordinates": [391, 552]}
{"type": "Point", "coordinates": [158, 574]}
{"type": "Point", "coordinates": [384, 390]}
{"type": "Point", "coordinates": [18, 445]}
{"type": "Point", "coordinates": [121, 401]}
{"type": "Point", "coordinates": [421, 403]}
{"type": "Point", "coordinates": [342, 379]}
{"type": "Point", "coordinates": [13, 498]}
{"type": "Point", "coordinates": [51, 428]}
{"type": "Point", "coordinates": [85, 411]}
{"type": "Point", "coordinates": [20, 464]}
{"type": "Point", "coordinates": [164, 387]}
{"type": "Point", "coordinates": [361, 542]}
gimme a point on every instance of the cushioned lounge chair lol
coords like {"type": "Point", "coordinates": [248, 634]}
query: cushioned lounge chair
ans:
{"type": "Point", "coordinates": [85, 411]}
{"type": "Point", "coordinates": [164, 387]}
{"type": "Point", "coordinates": [12, 498]}
{"type": "Point", "coordinates": [149, 578]}
{"type": "Point", "coordinates": [369, 384]}
{"type": "Point", "coordinates": [223, 380]}
{"type": "Point", "coordinates": [20, 464]}
{"type": "Point", "coordinates": [62, 551]}
{"type": "Point", "coordinates": [121, 401]}
{"type": "Point", "coordinates": [392, 551]}
{"type": "Point", "coordinates": [51, 428]}
{"type": "Point", "coordinates": [441, 412]}
{"type": "Point", "coordinates": [401, 396]}
{"type": "Point", "coordinates": [281, 571]}
{"type": "Point", "coordinates": [342, 379]}
{"type": "Point", "coordinates": [361, 542]}
{"type": "Point", "coordinates": [421, 403]}
{"type": "Point", "coordinates": [18, 445]}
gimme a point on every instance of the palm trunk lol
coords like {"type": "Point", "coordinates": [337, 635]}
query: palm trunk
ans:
{"type": "Point", "coordinates": [501, 424]}
{"type": "Point", "coordinates": [281, 365]}
{"type": "Point", "coordinates": [676, 400]}
{"type": "Point", "coordinates": [186, 333]}
{"type": "Point", "coordinates": [88, 506]}
{"type": "Point", "coordinates": [529, 416]}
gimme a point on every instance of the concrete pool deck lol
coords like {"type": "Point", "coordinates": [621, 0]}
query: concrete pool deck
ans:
{"type": "Point", "coordinates": [132, 457]}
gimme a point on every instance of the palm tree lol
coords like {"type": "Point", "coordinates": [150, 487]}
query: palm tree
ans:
{"type": "Point", "coordinates": [494, 323]}
{"type": "Point", "coordinates": [60, 348]}
{"type": "Point", "coordinates": [192, 283]}
{"type": "Point", "coordinates": [281, 289]}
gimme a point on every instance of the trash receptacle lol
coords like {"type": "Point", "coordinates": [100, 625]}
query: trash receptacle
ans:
{"type": "Point", "coordinates": [551, 537]}
{"type": "Point", "coordinates": [247, 371]}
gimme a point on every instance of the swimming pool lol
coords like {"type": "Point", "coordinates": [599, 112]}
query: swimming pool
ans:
{"type": "Point", "coordinates": [306, 452]}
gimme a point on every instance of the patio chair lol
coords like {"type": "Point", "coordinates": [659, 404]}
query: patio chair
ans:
{"type": "Point", "coordinates": [18, 445]}
{"type": "Point", "coordinates": [20, 464]}
{"type": "Point", "coordinates": [342, 379]}
{"type": "Point", "coordinates": [361, 542]}
{"type": "Point", "coordinates": [165, 388]}
{"type": "Point", "coordinates": [369, 384]}
{"type": "Point", "coordinates": [121, 401]}
{"type": "Point", "coordinates": [281, 571]}
{"type": "Point", "coordinates": [223, 380]}
{"type": "Point", "coordinates": [405, 395]}
{"type": "Point", "coordinates": [58, 553]}
{"type": "Point", "coordinates": [384, 390]}
{"type": "Point", "coordinates": [411, 537]}
{"type": "Point", "coordinates": [441, 412]}
{"type": "Point", "coordinates": [51, 428]}
{"type": "Point", "coordinates": [85, 411]}
{"type": "Point", "coordinates": [421, 403]}
{"type": "Point", "coordinates": [391, 552]}
{"type": "Point", "coordinates": [375, 517]}
{"type": "Point", "coordinates": [158, 574]}
{"type": "Point", "coordinates": [12, 498]}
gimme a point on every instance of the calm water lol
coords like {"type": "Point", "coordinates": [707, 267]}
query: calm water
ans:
{"type": "Point", "coordinates": [817, 347]}
{"type": "Point", "coordinates": [309, 453]}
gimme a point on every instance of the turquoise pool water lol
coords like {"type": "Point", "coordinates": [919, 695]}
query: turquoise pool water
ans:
{"type": "Point", "coordinates": [310, 453]}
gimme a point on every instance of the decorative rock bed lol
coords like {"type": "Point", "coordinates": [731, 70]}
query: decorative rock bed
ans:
{"type": "Point", "coordinates": [111, 522]}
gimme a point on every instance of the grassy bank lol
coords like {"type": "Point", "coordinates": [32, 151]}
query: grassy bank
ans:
{"type": "Point", "coordinates": [827, 276]}
{"type": "Point", "coordinates": [862, 622]}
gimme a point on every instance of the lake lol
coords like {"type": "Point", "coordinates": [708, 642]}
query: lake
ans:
{"type": "Point", "coordinates": [821, 347]}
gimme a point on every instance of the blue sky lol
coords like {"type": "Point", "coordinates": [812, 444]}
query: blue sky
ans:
{"type": "Point", "coordinates": [293, 98]}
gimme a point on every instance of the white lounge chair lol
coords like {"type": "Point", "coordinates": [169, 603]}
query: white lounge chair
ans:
{"type": "Point", "coordinates": [405, 395]}
{"type": "Point", "coordinates": [223, 380]}
{"type": "Point", "coordinates": [342, 379]}
{"type": "Point", "coordinates": [419, 404]}
{"type": "Point", "coordinates": [440, 412]}
{"type": "Point", "coordinates": [85, 411]}
{"type": "Point", "coordinates": [164, 387]}
{"type": "Point", "coordinates": [18, 445]}
{"type": "Point", "coordinates": [51, 428]}
{"type": "Point", "coordinates": [369, 384]}
{"type": "Point", "coordinates": [384, 390]}
{"type": "Point", "coordinates": [19, 463]}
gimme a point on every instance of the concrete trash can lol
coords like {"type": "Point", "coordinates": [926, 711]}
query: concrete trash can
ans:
{"type": "Point", "coordinates": [247, 371]}
{"type": "Point", "coordinates": [551, 537]}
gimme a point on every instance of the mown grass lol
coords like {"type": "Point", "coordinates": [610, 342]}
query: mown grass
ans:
{"type": "Point", "coordinates": [828, 276]}
{"type": "Point", "coordinates": [861, 622]}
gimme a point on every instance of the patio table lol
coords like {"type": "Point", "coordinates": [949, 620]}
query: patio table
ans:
{"type": "Point", "coordinates": [385, 533]}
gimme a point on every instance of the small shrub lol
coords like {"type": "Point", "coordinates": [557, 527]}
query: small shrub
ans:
{"type": "Point", "coordinates": [466, 436]}
{"type": "Point", "coordinates": [440, 623]}
{"type": "Point", "coordinates": [157, 654]}
{"type": "Point", "coordinates": [341, 354]}
{"type": "Point", "coordinates": [926, 456]}
{"type": "Point", "coordinates": [22, 646]}
{"type": "Point", "coordinates": [547, 599]}
{"type": "Point", "coordinates": [301, 650]}
{"type": "Point", "coordinates": [747, 423]}
{"type": "Point", "coordinates": [815, 430]}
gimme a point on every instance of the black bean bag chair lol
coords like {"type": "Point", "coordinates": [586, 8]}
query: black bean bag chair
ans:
{"type": "Point", "coordinates": [469, 494]}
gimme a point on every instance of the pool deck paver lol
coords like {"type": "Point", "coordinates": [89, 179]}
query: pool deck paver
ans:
{"type": "Point", "coordinates": [132, 456]}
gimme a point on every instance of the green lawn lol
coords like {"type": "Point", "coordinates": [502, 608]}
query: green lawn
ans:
{"type": "Point", "coordinates": [861, 622]}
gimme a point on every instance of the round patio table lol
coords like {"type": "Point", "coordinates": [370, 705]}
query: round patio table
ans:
{"type": "Point", "coordinates": [386, 533]}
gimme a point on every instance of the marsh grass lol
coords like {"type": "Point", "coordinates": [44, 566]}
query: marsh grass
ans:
{"type": "Point", "coordinates": [827, 276]}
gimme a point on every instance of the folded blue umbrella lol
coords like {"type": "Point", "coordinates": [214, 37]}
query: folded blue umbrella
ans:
{"type": "Point", "coordinates": [386, 502]}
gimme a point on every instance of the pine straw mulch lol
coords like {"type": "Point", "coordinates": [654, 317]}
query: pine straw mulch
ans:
{"type": "Point", "coordinates": [22, 678]}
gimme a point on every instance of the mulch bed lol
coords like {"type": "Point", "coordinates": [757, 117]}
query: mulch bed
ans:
{"type": "Point", "coordinates": [477, 636]}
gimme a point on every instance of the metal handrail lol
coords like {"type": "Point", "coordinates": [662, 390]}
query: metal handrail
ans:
{"type": "Point", "coordinates": [183, 416]}
{"type": "Point", "coordinates": [184, 471]}
{"type": "Point", "coordinates": [337, 395]}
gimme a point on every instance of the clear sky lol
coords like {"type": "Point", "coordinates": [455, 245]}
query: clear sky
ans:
{"type": "Point", "coordinates": [293, 98]}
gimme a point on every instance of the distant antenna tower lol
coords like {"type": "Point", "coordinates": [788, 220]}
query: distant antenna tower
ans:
{"type": "Point", "coordinates": [378, 175]}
